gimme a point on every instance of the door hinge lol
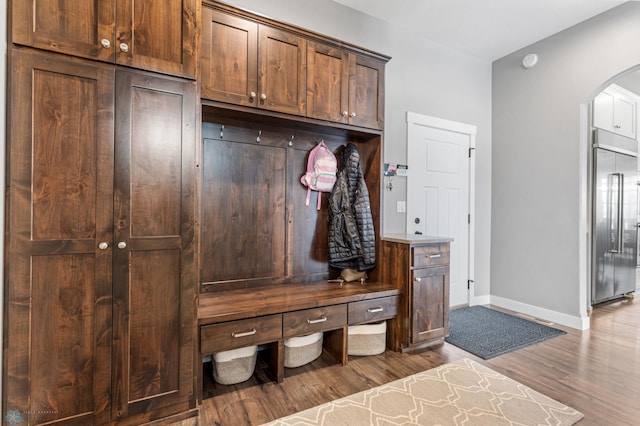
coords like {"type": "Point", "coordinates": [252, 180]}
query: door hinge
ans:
{"type": "Point", "coordinates": [469, 218]}
{"type": "Point", "coordinates": [470, 149]}
{"type": "Point", "coordinates": [469, 284]}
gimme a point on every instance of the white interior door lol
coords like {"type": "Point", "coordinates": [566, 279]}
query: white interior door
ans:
{"type": "Point", "coordinates": [440, 191]}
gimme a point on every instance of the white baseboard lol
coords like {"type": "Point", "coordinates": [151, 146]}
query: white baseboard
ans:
{"type": "Point", "coordinates": [580, 323]}
{"type": "Point", "coordinates": [480, 300]}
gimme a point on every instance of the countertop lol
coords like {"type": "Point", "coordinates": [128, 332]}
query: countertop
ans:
{"type": "Point", "coordinates": [415, 238]}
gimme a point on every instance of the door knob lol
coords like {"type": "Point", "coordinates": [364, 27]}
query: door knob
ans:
{"type": "Point", "coordinates": [105, 43]}
{"type": "Point", "coordinates": [418, 279]}
{"type": "Point", "coordinates": [353, 115]}
{"type": "Point", "coordinates": [263, 97]}
{"type": "Point", "coordinates": [122, 245]}
{"type": "Point", "coordinates": [124, 47]}
{"type": "Point", "coordinates": [103, 246]}
{"type": "Point", "coordinates": [252, 95]}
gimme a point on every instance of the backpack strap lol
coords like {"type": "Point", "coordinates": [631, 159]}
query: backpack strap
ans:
{"type": "Point", "coordinates": [319, 200]}
{"type": "Point", "coordinates": [308, 195]}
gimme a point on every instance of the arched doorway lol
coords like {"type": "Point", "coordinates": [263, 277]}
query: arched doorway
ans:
{"type": "Point", "coordinates": [613, 109]}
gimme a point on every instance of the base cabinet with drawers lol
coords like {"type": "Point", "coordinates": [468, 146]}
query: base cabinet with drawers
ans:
{"type": "Point", "coordinates": [341, 306]}
{"type": "Point", "coordinates": [421, 265]}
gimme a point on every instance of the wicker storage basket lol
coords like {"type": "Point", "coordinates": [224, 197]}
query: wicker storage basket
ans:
{"type": "Point", "coordinates": [367, 339]}
{"type": "Point", "coordinates": [302, 350]}
{"type": "Point", "coordinates": [234, 366]}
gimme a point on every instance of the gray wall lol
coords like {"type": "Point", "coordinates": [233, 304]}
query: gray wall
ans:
{"type": "Point", "coordinates": [539, 190]}
{"type": "Point", "coordinates": [422, 77]}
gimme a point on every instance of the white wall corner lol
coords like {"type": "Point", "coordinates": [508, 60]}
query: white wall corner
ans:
{"type": "Point", "coordinates": [480, 300]}
{"type": "Point", "coordinates": [579, 323]}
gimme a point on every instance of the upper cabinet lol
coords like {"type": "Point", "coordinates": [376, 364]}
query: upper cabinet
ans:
{"type": "Point", "coordinates": [250, 61]}
{"type": "Point", "coordinates": [616, 110]}
{"type": "Point", "coordinates": [252, 64]}
{"type": "Point", "coordinates": [146, 34]}
{"type": "Point", "coordinates": [344, 87]}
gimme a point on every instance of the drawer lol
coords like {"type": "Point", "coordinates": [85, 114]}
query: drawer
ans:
{"type": "Point", "coordinates": [373, 310]}
{"type": "Point", "coordinates": [432, 254]}
{"type": "Point", "coordinates": [314, 320]}
{"type": "Point", "coordinates": [237, 334]}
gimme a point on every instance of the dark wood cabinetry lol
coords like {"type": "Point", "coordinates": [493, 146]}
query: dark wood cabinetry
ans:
{"type": "Point", "coordinates": [252, 64]}
{"type": "Point", "coordinates": [344, 87]}
{"type": "Point", "coordinates": [421, 265]}
{"type": "Point", "coordinates": [158, 36]}
{"type": "Point", "coordinates": [117, 217]}
{"type": "Point", "coordinates": [101, 304]}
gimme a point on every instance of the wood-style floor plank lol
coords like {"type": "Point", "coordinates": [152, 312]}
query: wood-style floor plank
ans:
{"type": "Point", "coordinates": [596, 372]}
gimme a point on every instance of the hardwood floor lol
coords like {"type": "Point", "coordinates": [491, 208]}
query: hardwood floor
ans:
{"type": "Point", "coordinates": [596, 372]}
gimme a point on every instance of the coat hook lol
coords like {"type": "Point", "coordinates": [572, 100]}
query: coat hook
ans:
{"type": "Point", "coordinates": [222, 132]}
{"type": "Point", "coordinates": [258, 137]}
{"type": "Point", "coordinates": [291, 141]}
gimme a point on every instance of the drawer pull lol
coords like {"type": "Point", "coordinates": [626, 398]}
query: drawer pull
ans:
{"type": "Point", "coordinates": [244, 334]}
{"type": "Point", "coordinates": [434, 256]}
{"type": "Point", "coordinates": [375, 310]}
{"type": "Point", "coordinates": [317, 321]}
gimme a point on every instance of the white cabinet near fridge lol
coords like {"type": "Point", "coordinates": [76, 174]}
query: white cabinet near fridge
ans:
{"type": "Point", "coordinates": [615, 109]}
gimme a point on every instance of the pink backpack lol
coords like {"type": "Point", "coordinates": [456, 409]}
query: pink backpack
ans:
{"type": "Point", "coordinates": [322, 167]}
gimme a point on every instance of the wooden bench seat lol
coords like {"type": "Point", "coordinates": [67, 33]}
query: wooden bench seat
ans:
{"type": "Point", "coordinates": [230, 305]}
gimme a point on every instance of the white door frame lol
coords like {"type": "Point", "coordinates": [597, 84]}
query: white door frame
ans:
{"type": "Point", "coordinates": [471, 131]}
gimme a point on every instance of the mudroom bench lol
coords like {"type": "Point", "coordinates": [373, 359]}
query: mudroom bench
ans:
{"type": "Point", "coordinates": [267, 315]}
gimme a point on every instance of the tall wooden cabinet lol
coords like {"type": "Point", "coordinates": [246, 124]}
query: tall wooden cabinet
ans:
{"type": "Point", "coordinates": [153, 35]}
{"type": "Point", "coordinates": [101, 288]}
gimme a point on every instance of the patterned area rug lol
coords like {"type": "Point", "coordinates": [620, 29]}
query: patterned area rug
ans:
{"type": "Point", "coordinates": [459, 393]}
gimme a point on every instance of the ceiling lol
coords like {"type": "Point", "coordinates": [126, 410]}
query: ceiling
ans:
{"type": "Point", "coordinates": [488, 29]}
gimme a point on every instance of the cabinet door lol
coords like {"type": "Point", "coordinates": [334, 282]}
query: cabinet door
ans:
{"type": "Point", "coordinates": [366, 92]}
{"type": "Point", "coordinates": [68, 26]}
{"type": "Point", "coordinates": [229, 58]}
{"type": "Point", "coordinates": [154, 285]}
{"type": "Point", "coordinates": [615, 112]}
{"type": "Point", "coordinates": [244, 195]}
{"type": "Point", "coordinates": [59, 232]}
{"type": "Point", "coordinates": [157, 35]}
{"type": "Point", "coordinates": [282, 62]}
{"type": "Point", "coordinates": [624, 113]}
{"type": "Point", "coordinates": [327, 83]}
{"type": "Point", "coordinates": [430, 304]}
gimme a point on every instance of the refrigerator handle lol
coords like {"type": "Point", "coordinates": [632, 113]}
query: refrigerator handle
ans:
{"type": "Point", "coordinates": [620, 212]}
{"type": "Point", "coordinates": [615, 215]}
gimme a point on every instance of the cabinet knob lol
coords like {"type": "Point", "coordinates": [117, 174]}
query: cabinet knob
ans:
{"type": "Point", "coordinates": [617, 126]}
{"type": "Point", "coordinates": [263, 97]}
{"type": "Point", "coordinates": [353, 114]}
{"type": "Point", "coordinates": [252, 95]}
{"type": "Point", "coordinates": [124, 47]}
{"type": "Point", "coordinates": [103, 246]}
{"type": "Point", "coordinates": [122, 245]}
{"type": "Point", "coordinates": [418, 279]}
{"type": "Point", "coordinates": [345, 113]}
{"type": "Point", "coordinates": [105, 43]}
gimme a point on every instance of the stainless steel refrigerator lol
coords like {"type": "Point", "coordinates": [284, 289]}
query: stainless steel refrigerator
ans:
{"type": "Point", "coordinates": [615, 216]}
